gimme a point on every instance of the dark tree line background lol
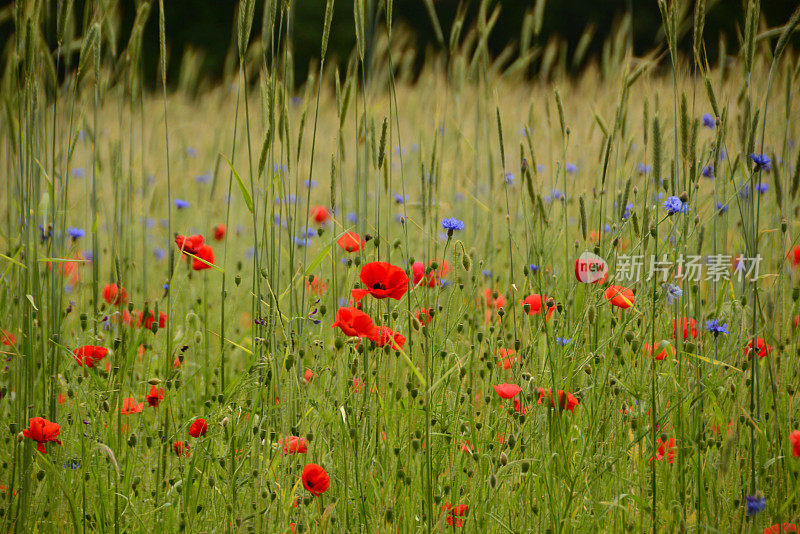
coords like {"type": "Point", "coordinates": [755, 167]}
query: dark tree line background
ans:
{"type": "Point", "coordinates": [209, 25]}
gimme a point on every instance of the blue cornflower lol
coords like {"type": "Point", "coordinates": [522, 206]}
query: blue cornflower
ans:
{"type": "Point", "coordinates": [76, 233]}
{"type": "Point", "coordinates": [444, 283]}
{"type": "Point", "coordinates": [709, 121]}
{"type": "Point", "coordinates": [399, 218]}
{"type": "Point", "coordinates": [755, 503]}
{"type": "Point", "coordinates": [762, 162]}
{"type": "Point", "coordinates": [628, 208]}
{"type": "Point", "coordinates": [45, 234]}
{"type": "Point", "coordinates": [606, 227]}
{"type": "Point", "coordinates": [203, 178]}
{"type": "Point", "coordinates": [459, 197]}
{"type": "Point", "coordinates": [191, 152]}
{"type": "Point", "coordinates": [296, 101]}
{"type": "Point", "coordinates": [708, 171]}
{"type": "Point", "coordinates": [352, 217]}
{"type": "Point", "coordinates": [744, 192]}
{"type": "Point", "coordinates": [159, 253]}
{"type": "Point", "coordinates": [644, 169]}
{"type": "Point", "coordinates": [400, 151]}
{"type": "Point", "coordinates": [564, 341]}
{"type": "Point", "coordinates": [540, 168]}
{"type": "Point", "coordinates": [721, 208]}
{"type": "Point", "coordinates": [451, 224]}
{"type": "Point", "coordinates": [557, 194]}
{"type": "Point", "coordinates": [762, 188]}
{"type": "Point", "coordinates": [78, 172]}
{"type": "Point", "coordinates": [72, 464]}
{"type": "Point", "coordinates": [486, 273]}
{"type": "Point", "coordinates": [674, 205]}
{"type": "Point", "coordinates": [165, 287]}
{"type": "Point", "coordinates": [180, 203]}
{"type": "Point", "coordinates": [673, 292]}
{"type": "Point", "coordinates": [400, 199]}
{"type": "Point", "coordinates": [533, 267]}
{"type": "Point", "coordinates": [571, 168]}
{"type": "Point", "coordinates": [713, 326]}
{"type": "Point", "coordinates": [508, 178]}
{"type": "Point", "coordinates": [311, 184]}
{"type": "Point", "coordinates": [249, 253]}
{"type": "Point", "coordinates": [302, 241]}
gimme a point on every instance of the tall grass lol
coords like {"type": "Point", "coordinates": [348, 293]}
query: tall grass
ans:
{"type": "Point", "coordinates": [538, 170]}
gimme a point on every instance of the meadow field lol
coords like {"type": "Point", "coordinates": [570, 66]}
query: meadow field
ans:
{"type": "Point", "coordinates": [463, 298]}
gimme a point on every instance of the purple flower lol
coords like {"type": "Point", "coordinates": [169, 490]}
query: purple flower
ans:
{"type": "Point", "coordinates": [709, 121]}
{"type": "Point", "coordinates": [76, 233]}
{"type": "Point", "coordinates": [674, 205]}
{"type": "Point", "coordinates": [181, 204]}
{"type": "Point", "coordinates": [571, 168]}
{"type": "Point", "coordinates": [713, 326]}
{"type": "Point", "coordinates": [762, 162]}
{"type": "Point", "coordinates": [451, 224]}
{"type": "Point", "coordinates": [708, 171]}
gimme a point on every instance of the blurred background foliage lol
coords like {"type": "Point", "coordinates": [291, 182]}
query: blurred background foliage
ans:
{"type": "Point", "coordinates": [199, 32]}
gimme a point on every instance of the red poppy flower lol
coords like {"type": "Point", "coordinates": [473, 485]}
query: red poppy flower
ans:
{"type": "Point", "coordinates": [619, 296]}
{"type": "Point", "coordinates": [198, 428]}
{"type": "Point", "coordinates": [432, 278]}
{"type": "Point", "coordinates": [520, 407]}
{"type": "Point", "coordinates": [219, 232]}
{"type": "Point", "coordinates": [763, 348]}
{"type": "Point", "coordinates": [794, 255]}
{"type": "Point", "coordinates": [350, 242]}
{"type": "Point", "coordinates": [689, 327]}
{"type": "Point", "coordinates": [148, 321]}
{"type": "Point", "coordinates": [507, 391]}
{"type": "Point", "coordinates": [155, 396]}
{"type": "Point", "coordinates": [89, 355]}
{"type": "Point", "coordinates": [382, 335]}
{"type": "Point", "coordinates": [467, 447]}
{"type": "Point", "coordinates": [715, 428]}
{"type": "Point", "coordinates": [114, 295]}
{"type": "Point", "coordinates": [424, 316]}
{"type": "Point", "coordinates": [353, 322]}
{"type": "Point", "coordinates": [315, 479]}
{"type": "Point", "coordinates": [308, 375]}
{"type": "Point", "coordinates": [9, 338]}
{"type": "Point", "coordinates": [564, 403]}
{"type": "Point", "coordinates": [506, 358]}
{"type": "Point", "coordinates": [205, 253]}
{"type": "Point", "coordinates": [670, 447]}
{"type": "Point", "coordinates": [190, 244]}
{"type": "Point", "coordinates": [649, 349]}
{"type": "Point", "coordinates": [794, 439]}
{"type": "Point", "coordinates": [294, 445]}
{"type": "Point", "coordinates": [492, 304]}
{"type": "Point", "coordinates": [317, 285]}
{"type": "Point", "coordinates": [42, 431]}
{"type": "Point", "coordinates": [383, 280]}
{"type": "Point", "coordinates": [130, 406]}
{"type": "Point", "coordinates": [537, 302]}
{"type": "Point", "coordinates": [781, 528]}
{"type": "Point", "coordinates": [320, 214]}
{"type": "Point", "coordinates": [181, 447]}
{"type": "Point", "coordinates": [454, 514]}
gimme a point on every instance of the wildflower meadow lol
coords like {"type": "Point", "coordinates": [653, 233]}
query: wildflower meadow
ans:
{"type": "Point", "coordinates": [417, 291]}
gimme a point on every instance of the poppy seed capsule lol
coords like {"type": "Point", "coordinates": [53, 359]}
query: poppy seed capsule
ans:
{"type": "Point", "coordinates": [684, 196]}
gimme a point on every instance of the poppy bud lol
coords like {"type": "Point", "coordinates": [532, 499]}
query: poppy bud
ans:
{"type": "Point", "coordinates": [132, 440]}
{"type": "Point", "coordinates": [148, 440]}
{"type": "Point", "coordinates": [525, 466]}
{"type": "Point", "coordinates": [653, 231]}
{"type": "Point", "coordinates": [493, 481]}
{"type": "Point", "coordinates": [684, 196]}
{"type": "Point", "coordinates": [629, 336]}
{"type": "Point", "coordinates": [83, 321]}
{"type": "Point", "coordinates": [550, 302]}
{"type": "Point", "coordinates": [795, 293]}
{"type": "Point", "coordinates": [154, 327]}
{"type": "Point", "coordinates": [105, 406]}
{"type": "Point", "coordinates": [338, 343]}
{"type": "Point", "coordinates": [238, 280]}
{"type": "Point", "coordinates": [503, 459]}
{"type": "Point", "coordinates": [784, 225]}
{"type": "Point", "coordinates": [154, 381]}
{"type": "Point", "coordinates": [198, 337]}
{"type": "Point", "coordinates": [40, 475]}
{"type": "Point", "coordinates": [225, 421]}
{"type": "Point", "coordinates": [20, 437]}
